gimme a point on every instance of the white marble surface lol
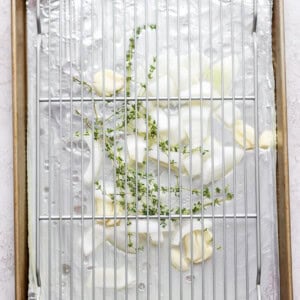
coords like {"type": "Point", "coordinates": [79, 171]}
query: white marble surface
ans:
{"type": "Point", "coordinates": [292, 24]}
{"type": "Point", "coordinates": [292, 42]}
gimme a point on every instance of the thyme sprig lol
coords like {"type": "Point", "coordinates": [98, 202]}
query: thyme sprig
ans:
{"type": "Point", "coordinates": [137, 191]}
{"type": "Point", "coordinates": [131, 51]}
{"type": "Point", "coordinates": [85, 84]}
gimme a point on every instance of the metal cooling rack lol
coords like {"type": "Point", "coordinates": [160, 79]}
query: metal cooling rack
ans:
{"type": "Point", "coordinates": [75, 40]}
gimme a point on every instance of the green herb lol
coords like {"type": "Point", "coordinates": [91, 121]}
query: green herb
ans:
{"type": "Point", "coordinates": [136, 190]}
{"type": "Point", "coordinates": [130, 54]}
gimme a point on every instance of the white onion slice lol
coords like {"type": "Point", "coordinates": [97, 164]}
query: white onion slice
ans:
{"type": "Point", "coordinates": [161, 119]}
{"type": "Point", "coordinates": [172, 135]}
{"type": "Point", "coordinates": [194, 122]}
{"type": "Point", "coordinates": [108, 188]}
{"type": "Point", "coordinates": [122, 241]}
{"type": "Point", "coordinates": [198, 158]}
{"type": "Point", "coordinates": [218, 163]}
{"type": "Point", "coordinates": [136, 147]}
{"type": "Point", "coordinates": [197, 90]}
{"type": "Point", "coordinates": [163, 82]}
{"type": "Point", "coordinates": [140, 125]}
{"type": "Point", "coordinates": [226, 69]}
{"type": "Point", "coordinates": [98, 238]}
{"type": "Point", "coordinates": [110, 274]}
{"type": "Point", "coordinates": [228, 115]}
{"type": "Point", "coordinates": [88, 174]}
{"type": "Point", "coordinates": [164, 157]}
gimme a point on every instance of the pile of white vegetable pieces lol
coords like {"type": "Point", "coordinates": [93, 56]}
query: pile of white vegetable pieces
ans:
{"type": "Point", "coordinates": [171, 149]}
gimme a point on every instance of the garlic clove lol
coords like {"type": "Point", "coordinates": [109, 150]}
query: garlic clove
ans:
{"type": "Point", "coordinates": [113, 82]}
{"type": "Point", "coordinates": [266, 139]}
{"type": "Point", "coordinates": [110, 275]}
{"type": "Point", "coordinates": [179, 262]}
{"type": "Point", "coordinates": [201, 243]}
{"type": "Point", "coordinates": [249, 135]}
{"type": "Point", "coordinates": [186, 229]}
{"type": "Point", "coordinates": [105, 207]}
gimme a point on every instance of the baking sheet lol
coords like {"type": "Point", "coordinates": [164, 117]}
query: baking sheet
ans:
{"type": "Point", "coordinates": [266, 117]}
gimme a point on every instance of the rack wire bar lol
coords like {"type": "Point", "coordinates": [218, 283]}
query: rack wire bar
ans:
{"type": "Point", "coordinates": [241, 216]}
{"type": "Point", "coordinates": [152, 182]}
{"type": "Point", "coordinates": [110, 99]}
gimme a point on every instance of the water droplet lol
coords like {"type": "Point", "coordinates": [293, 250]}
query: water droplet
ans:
{"type": "Point", "coordinates": [141, 287]}
{"type": "Point", "coordinates": [57, 163]}
{"type": "Point", "coordinates": [46, 165]}
{"type": "Point", "coordinates": [189, 278]}
{"type": "Point", "coordinates": [77, 209]}
{"type": "Point", "coordinates": [66, 268]}
{"type": "Point", "coordinates": [144, 266]}
{"type": "Point", "coordinates": [86, 260]}
{"type": "Point", "coordinates": [42, 131]}
{"type": "Point", "coordinates": [75, 179]}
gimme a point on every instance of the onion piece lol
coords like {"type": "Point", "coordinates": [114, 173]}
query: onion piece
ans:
{"type": "Point", "coordinates": [164, 157]}
{"type": "Point", "coordinates": [136, 147]}
{"type": "Point", "coordinates": [198, 89]}
{"type": "Point", "coordinates": [172, 135]}
{"type": "Point", "coordinates": [161, 119]}
{"type": "Point", "coordinates": [113, 82]}
{"type": "Point", "coordinates": [222, 82]}
{"type": "Point", "coordinates": [98, 238]}
{"type": "Point", "coordinates": [198, 157]}
{"type": "Point", "coordinates": [88, 174]}
{"type": "Point", "coordinates": [198, 122]}
{"type": "Point", "coordinates": [148, 227]}
{"type": "Point", "coordinates": [163, 82]}
{"type": "Point", "coordinates": [105, 207]}
{"type": "Point", "coordinates": [228, 115]}
{"type": "Point", "coordinates": [110, 274]}
{"type": "Point", "coordinates": [218, 163]}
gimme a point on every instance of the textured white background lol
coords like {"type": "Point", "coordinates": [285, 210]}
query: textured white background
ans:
{"type": "Point", "coordinates": [292, 24]}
